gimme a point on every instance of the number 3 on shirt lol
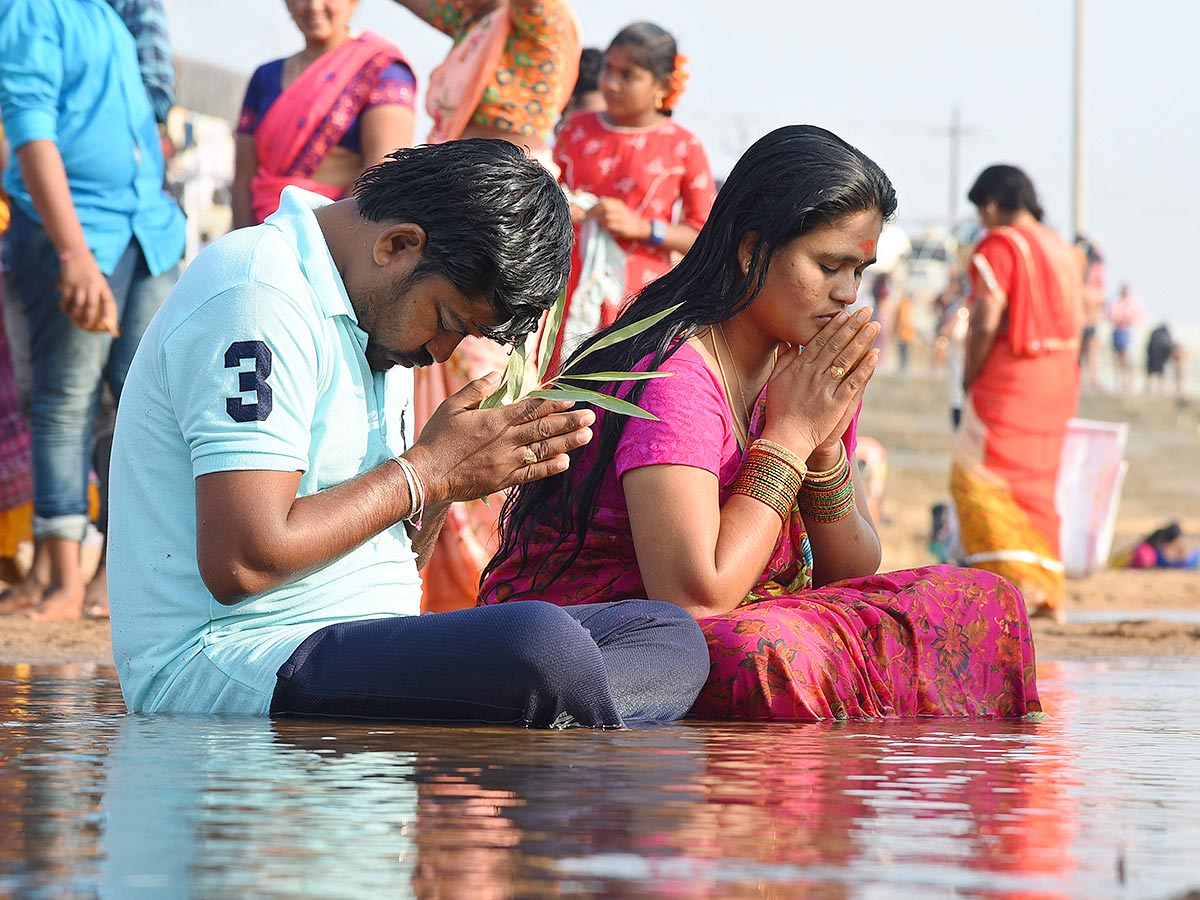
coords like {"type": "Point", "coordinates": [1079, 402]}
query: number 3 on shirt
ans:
{"type": "Point", "coordinates": [239, 410]}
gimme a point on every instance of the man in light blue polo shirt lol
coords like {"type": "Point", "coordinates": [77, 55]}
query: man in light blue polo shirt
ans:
{"type": "Point", "coordinates": [270, 510]}
{"type": "Point", "coordinates": [92, 250]}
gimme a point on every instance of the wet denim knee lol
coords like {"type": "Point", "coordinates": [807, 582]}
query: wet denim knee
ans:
{"type": "Point", "coordinates": [525, 663]}
{"type": "Point", "coordinates": [655, 654]}
{"type": "Point", "coordinates": [557, 665]}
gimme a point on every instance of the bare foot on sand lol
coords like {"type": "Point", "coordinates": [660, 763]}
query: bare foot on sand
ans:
{"type": "Point", "coordinates": [95, 598]}
{"type": "Point", "coordinates": [23, 595]}
{"type": "Point", "coordinates": [60, 603]}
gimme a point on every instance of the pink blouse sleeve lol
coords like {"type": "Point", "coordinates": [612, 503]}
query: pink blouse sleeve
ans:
{"type": "Point", "coordinates": [692, 427]}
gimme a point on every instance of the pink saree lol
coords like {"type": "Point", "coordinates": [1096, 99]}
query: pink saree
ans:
{"type": "Point", "coordinates": [936, 641]}
{"type": "Point", "coordinates": [311, 116]}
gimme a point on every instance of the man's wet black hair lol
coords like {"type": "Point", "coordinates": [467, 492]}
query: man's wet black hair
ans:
{"type": "Point", "coordinates": [497, 226]}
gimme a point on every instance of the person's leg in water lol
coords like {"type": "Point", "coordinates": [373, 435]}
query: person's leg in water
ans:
{"type": "Point", "coordinates": [525, 663]}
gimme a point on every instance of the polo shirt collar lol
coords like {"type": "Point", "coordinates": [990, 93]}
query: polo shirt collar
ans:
{"type": "Point", "coordinates": [296, 218]}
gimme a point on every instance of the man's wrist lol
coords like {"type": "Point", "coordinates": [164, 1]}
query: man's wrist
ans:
{"type": "Point", "coordinates": [657, 232]}
{"type": "Point", "coordinates": [68, 253]}
{"type": "Point", "coordinates": [435, 487]}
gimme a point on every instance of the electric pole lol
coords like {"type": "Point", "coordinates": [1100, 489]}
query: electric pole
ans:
{"type": "Point", "coordinates": [956, 133]}
{"type": "Point", "coordinates": [1077, 128]}
{"type": "Point", "coordinates": [955, 141]}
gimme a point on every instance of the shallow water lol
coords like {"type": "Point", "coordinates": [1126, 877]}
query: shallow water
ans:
{"type": "Point", "coordinates": [1099, 801]}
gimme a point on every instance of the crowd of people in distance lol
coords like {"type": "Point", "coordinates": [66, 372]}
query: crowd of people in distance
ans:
{"type": "Point", "coordinates": [317, 509]}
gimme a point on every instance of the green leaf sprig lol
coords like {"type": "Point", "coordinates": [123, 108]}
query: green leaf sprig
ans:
{"type": "Point", "coordinates": [562, 387]}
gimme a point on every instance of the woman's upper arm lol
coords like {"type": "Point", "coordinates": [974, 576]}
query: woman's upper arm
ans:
{"type": "Point", "coordinates": [675, 519]}
{"type": "Point", "coordinates": [384, 129]}
{"type": "Point", "coordinates": [245, 158]}
{"type": "Point", "coordinates": [245, 163]}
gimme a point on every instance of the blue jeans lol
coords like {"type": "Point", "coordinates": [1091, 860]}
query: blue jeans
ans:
{"type": "Point", "coordinates": [70, 365]}
{"type": "Point", "coordinates": [524, 663]}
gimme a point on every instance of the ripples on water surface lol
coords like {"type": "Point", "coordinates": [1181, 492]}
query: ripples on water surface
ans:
{"type": "Point", "coordinates": [1099, 801]}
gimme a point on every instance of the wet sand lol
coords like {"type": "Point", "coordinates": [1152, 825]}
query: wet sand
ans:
{"type": "Point", "coordinates": [1139, 611]}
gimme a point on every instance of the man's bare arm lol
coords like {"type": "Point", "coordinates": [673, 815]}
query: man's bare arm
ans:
{"type": "Point", "coordinates": [416, 7]}
{"type": "Point", "coordinates": [986, 316]}
{"type": "Point", "coordinates": [86, 297]}
{"type": "Point", "coordinates": [254, 533]}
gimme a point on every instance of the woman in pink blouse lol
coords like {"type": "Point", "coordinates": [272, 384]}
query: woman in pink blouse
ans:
{"type": "Point", "coordinates": [737, 501]}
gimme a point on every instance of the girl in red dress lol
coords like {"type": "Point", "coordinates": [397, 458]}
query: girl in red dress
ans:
{"type": "Point", "coordinates": [627, 170]}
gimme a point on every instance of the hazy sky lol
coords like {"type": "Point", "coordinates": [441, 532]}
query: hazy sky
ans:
{"type": "Point", "coordinates": [886, 76]}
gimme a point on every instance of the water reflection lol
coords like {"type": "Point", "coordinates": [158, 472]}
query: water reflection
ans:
{"type": "Point", "coordinates": [1097, 802]}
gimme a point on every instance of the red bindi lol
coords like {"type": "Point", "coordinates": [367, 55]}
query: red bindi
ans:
{"type": "Point", "coordinates": [867, 246]}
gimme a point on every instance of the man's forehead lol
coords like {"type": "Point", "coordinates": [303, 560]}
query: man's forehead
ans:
{"type": "Point", "coordinates": [481, 310]}
{"type": "Point", "coordinates": [475, 312]}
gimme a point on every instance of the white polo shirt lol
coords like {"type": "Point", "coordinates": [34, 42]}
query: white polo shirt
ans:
{"type": "Point", "coordinates": [255, 361]}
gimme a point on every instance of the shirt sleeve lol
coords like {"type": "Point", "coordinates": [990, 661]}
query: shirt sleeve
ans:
{"type": "Point", "coordinates": [31, 63]}
{"type": "Point", "coordinates": [692, 423]}
{"type": "Point", "coordinates": [397, 86]}
{"type": "Point", "coordinates": [147, 22]}
{"type": "Point", "coordinates": [242, 375]}
{"type": "Point", "coordinates": [992, 265]}
{"type": "Point", "coordinates": [698, 189]}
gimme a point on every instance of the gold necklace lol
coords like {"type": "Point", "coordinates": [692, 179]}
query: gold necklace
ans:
{"type": "Point", "coordinates": [743, 431]}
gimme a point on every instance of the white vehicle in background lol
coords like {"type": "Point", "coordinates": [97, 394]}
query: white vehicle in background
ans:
{"type": "Point", "coordinates": [931, 259]}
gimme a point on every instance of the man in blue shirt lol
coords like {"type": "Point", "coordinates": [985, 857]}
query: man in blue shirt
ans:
{"type": "Point", "coordinates": [92, 249]}
{"type": "Point", "coordinates": [270, 508]}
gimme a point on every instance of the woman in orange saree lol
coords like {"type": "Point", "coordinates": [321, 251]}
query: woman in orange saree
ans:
{"type": "Point", "coordinates": [1022, 383]}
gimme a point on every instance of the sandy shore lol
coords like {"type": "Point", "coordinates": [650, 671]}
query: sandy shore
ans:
{"type": "Point", "coordinates": [1137, 608]}
{"type": "Point", "coordinates": [1110, 613]}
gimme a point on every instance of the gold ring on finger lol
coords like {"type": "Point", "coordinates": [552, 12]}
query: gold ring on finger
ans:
{"type": "Point", "coordinates": [837, 373]}
{"type": "Point", "coordinates": [530, 457]}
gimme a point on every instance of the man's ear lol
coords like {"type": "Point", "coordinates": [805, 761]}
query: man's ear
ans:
{"type": "Point", "coordinates": [404, 241]}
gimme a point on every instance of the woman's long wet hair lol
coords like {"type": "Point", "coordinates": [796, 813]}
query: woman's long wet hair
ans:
{"type": "Point", "coordinates": [1009, 188]}
{"type": "Point", "coordinates": [790, 182]}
